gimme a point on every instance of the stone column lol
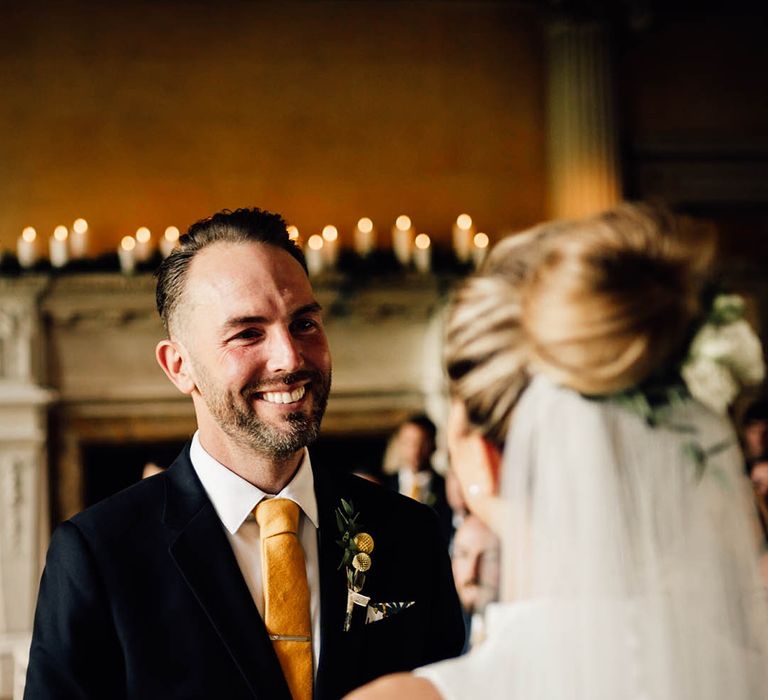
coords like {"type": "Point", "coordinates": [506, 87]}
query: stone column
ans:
{"type": "Point", "coordinates": [582, 140]}
{"type": "Point", "coordinates": [24, 509]}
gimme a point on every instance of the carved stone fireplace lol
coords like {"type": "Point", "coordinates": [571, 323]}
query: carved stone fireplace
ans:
{"type": "Point", "coordinates": [80, 392]}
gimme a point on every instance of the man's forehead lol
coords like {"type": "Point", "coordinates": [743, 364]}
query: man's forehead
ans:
{"type": "Point", "coordinates": [240, 279]}
{"type": "Point", "coordinates": [243, 253]}
{"type": "Point", "coordinates": [225, 265]}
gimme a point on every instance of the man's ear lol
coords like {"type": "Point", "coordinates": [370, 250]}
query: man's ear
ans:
{"type": "Point", "coordinates": [173, 360]}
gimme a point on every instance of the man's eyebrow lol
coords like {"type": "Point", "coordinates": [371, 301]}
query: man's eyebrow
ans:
{"type": "Point", "coordinates": [237, 321]}
{"type": "Point", "coordinates": [312, 308]}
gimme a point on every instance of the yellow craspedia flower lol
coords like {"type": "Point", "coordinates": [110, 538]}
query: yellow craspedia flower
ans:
{"type": "Point", "coordinates": [361, 562]}
{"type": "Point", "coordinates": [364, 542]}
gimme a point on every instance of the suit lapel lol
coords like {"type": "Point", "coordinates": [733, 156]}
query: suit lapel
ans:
{"type": "Point", "coordinates": [205, 559]}
{"type": "Point", "coordinates": [338, 650]}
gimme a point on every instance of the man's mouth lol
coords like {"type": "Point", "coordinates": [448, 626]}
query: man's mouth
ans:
{"type": "Point", "coordinates": [283, 396]}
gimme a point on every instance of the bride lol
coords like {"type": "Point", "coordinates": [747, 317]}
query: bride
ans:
{"type": "Point", "coordinates": [593, 351]}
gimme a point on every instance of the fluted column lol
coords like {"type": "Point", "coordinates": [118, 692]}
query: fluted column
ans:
{"type": "Point", "coordinates": [23, 468]}
{"type": "Point", "coordinates": [582, 140]}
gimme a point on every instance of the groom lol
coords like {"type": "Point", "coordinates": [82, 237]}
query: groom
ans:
{"type": "Point", "coordinates": [183, 586]}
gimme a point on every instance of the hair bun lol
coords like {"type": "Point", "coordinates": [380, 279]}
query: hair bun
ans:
{"type": "Point", "coordinates": [614, 296]}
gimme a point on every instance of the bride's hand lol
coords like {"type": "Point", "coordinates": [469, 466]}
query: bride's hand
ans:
{"type": "Point", "coordinates": [399, 685]}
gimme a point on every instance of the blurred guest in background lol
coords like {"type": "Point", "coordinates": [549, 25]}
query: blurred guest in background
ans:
{"type": "Point", "coordinates": [408, 468]}
{"type": "Point", "coordinates": [476, 570]}
{"type": "Point", "coordinates": [755, 442]}
{"type": "Point", "coordinates": [150, 469]}
{"type": "Point", "coordinates": [755, 432]}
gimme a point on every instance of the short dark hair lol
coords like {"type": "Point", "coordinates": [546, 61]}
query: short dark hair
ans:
{"type": "Point", "coordinates": [756, 411]}
{"type": "Point", "coordinates": [422, 421]}
{"type": "Point", "coordinates": [239, 226]}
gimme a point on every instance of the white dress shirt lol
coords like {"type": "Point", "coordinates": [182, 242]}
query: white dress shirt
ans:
{"type": "Point", "coordinates": [234, 499]}
{"type": "Point", "coordinates": [407, 479]}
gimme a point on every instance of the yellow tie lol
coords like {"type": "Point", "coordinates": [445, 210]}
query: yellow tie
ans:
{"type": "Point", "coordinates": [286, 593]}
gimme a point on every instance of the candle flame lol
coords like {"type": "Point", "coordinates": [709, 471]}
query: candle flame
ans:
{"type": "Point", "coordinates": [422, 241]}
{"type": "Point", "coordinates": [143, 234]}
{"type": "Point", "coordinates": [330, 233]}
{"type": "Point", "coordinates": [60, 233]}
{"type": "Point", "coordinates": [403, 222]}
{"type": "Point", "coordinates": [293, 233]}
{"type": "Point", "coordinates": [464, 221]}
{"type": "Point", "coordinates": [481, 240]}
{"type": "Point", "coordinates": [315, 242]}
{"type": "Point", "coordinates": [29, 234]}
{"type": "Point", "coordinates": [128, 243]}
{"type": "Point", "coordinates": [171, 234]}
{"type": "Point", "coordinates": [80, 226]}
{"type": "Point", "coordinates": [365, 225]}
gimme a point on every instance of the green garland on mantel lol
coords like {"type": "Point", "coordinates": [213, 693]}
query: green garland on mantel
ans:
{"type": "Point", "coordinates": [380, 264]}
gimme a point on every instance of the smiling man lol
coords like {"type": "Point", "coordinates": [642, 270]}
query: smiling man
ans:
{"type": "Point", "coordinates": [221, 577]}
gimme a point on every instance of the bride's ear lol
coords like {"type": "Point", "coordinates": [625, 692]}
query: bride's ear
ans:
{"type": "Point", "coordinates": [482, 496]}
{"type": "Point", "coordinates": [492, 459]}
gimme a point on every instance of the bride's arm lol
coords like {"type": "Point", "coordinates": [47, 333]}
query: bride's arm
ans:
{"type": "Point", "coordinates": [399, 685]}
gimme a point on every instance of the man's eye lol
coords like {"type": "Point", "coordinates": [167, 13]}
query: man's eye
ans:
{"type": "Point", "coordinates": [304, 325]}
{"type": "Point", "coordinates": [249, 334]}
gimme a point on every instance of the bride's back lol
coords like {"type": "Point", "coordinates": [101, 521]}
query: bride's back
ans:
{"type": "Point", "coordinates": [630, 566]}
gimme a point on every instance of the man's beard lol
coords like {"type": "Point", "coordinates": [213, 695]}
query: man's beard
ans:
{"type": "Point", "coordinates": [236, 416]}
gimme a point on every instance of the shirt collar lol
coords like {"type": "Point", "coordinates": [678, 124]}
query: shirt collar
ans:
{"type": "Point", "coordinates": [408, 477]}
{"type": "Point", "coordinates": [234, 498]}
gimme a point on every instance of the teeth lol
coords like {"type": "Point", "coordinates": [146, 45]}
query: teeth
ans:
{"type": "Point", "coordinates": [284, 396]}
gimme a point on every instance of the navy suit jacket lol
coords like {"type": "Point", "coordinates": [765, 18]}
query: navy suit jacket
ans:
{"type": "Point", "coordinates": [435, 499]}
{"type": "Point", "coordinates": [142, 598]}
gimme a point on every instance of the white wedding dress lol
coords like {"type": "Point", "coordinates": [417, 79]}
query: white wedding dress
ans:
{"type": "Point", "coordinates": [630, 559]}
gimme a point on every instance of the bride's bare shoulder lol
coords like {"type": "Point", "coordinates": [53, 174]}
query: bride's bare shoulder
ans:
{"type": "Point", "coordinates": [398, 685]}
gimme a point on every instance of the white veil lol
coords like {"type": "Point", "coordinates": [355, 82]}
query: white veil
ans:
{"type": "Point", "coordinates": [632, 563]}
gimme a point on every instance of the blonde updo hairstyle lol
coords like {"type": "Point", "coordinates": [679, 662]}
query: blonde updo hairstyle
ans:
{"type": "Point", "coordinates": [485, 353]}
{"type": "Point", "coordinates": [599, 305]}
{"type": "Point", "coordinates": [613, 301]}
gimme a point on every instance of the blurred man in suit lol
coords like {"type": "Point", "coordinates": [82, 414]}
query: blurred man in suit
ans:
{"type": "Point", "coordinates": [408, 463]}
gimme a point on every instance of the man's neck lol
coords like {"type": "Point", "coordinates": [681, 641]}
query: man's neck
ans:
{"type": "Point", "coordinates": [266, 472]}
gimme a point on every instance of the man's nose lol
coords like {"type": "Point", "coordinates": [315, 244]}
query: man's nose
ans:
{"type": "Point", "coordinates": [284, 353]}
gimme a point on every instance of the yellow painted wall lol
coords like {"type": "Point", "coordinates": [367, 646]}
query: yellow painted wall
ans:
{"type": "Point", "coordinates": [158, 113]}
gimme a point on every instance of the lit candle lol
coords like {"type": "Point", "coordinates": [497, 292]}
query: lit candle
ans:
{"type": "Point", "coordinates": [480, 249]}
{"type": "Point", "coordinates": [365, 237]}
{"type": "Point", "coordinates": [422, 254]}
{"type": "Point", "coordinates": [402, 239]}
{"type": "Point", "coordinates": [463, 230]}
{"type": "Point", "coordinates": [26, 247]}
{"type": "Point", "coordinates": [57, 247]}
{"type": "Point", "coordinates": [143, 244]}
{"type": "Point", "coordinates": [331, 245]}
{"type": "Point", "coordinates": [127, 254]}
{"type": "Point", "coordinates": [313, 254]}
{"type": "Point", "coordinates": [78, 241]}
{"type": "Point", "coordinates": [168, 241]}
{"type": "Point", "coordinates": [294, 235]}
